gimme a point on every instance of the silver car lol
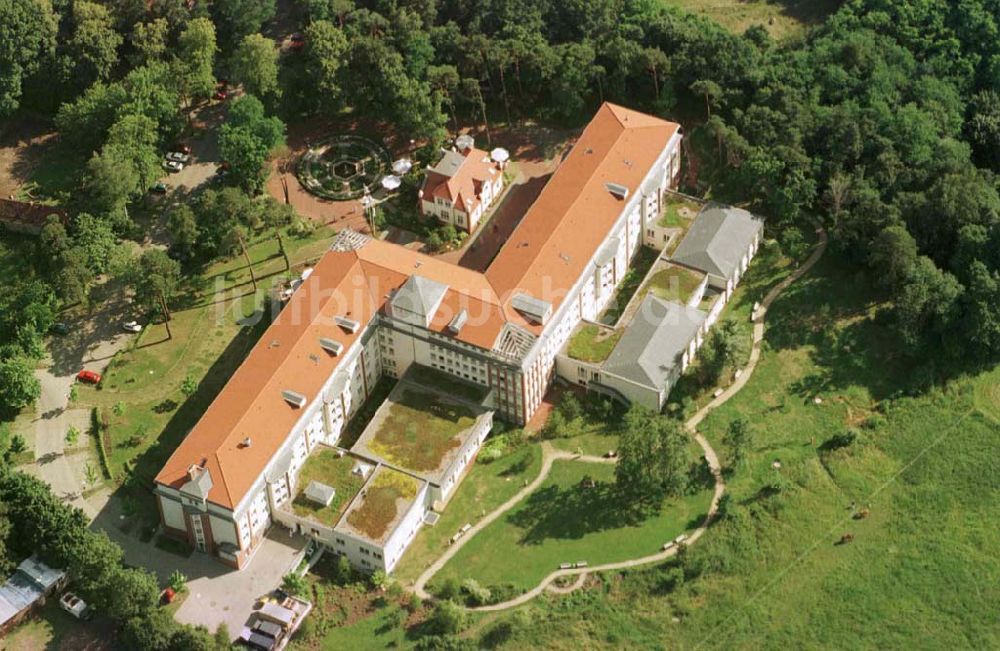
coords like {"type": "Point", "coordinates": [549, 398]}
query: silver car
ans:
{"type": "Point", "coordinates": [172, 166]}
{"type": "Point", "coordinates": [178, 157]}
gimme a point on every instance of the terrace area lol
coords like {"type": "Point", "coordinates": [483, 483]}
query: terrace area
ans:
{"type": "Point", "coordinates": [382, 504]}
{"type": "Point", "coordinates": [423, 423]}
{"type": "Point", "coordinates": [591, 343]}
{"type": "Point", "coordinates": [333, 468]}
{"type": "Point", "coordinates": [672, 283]}
{"type": "Point", "coordinates": [678, 213]}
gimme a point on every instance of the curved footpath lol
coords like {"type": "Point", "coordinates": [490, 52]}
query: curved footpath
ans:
{"type": "Point", "coordinates": [550, 454]}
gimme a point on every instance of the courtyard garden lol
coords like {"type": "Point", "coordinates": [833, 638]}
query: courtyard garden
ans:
{"type": "Point", "coordinates": [418, 428]}
{"type": "Point", "coordinates": [592, 343]}
{"type": "Point", "coordinates": [330, 467]}
{"type": "Point", "coordinates": [673, 283]}
{"type": "Point", "coordinates": [678, 211]}
{"type": "Point", "coordinates": [386, 498]}
{"type": "Point", "coordinates": [343, 167]}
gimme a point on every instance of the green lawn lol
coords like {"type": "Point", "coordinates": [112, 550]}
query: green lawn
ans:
{"type": "Point", "coordinates": [673, 283]}
{"type": "Point", "coordinates": [781, 19]}
{"type": "Point", "coordinates": [378, 631]}
{"type": "Point", "coordinates": [144, 396]}
{"type": "Point", "coordinates": [485, 487]}
{"type": "Point", "coordinates": [922, 571]}
{"type": "Point", "coordinates": [53, 628]}
{"type": "Point", "coordinates": [328, 467]}
{"type": "Point", "coordinates": [591, 343]}
{"type": "Point", "coordinates": [419, 430]}
{"type": "Point", "coordinates": [678, 211]}
{"type": "Point", "coordinates": [565, 522]}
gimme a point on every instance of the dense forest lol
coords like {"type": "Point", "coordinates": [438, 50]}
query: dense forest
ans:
{"type": "Point", "coordinates": [883, 123]}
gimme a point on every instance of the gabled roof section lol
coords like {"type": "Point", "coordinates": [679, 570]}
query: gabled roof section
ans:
{"type": "Point", "coordinates": [718, 239]}
{"type": "Point", "coordinates": [654, 342]}
{"type": "Point", "coordinates": [288, 354]}
{"type": "Point", "coordinates": [459, 176]}
{"type": "Point", "coordinates": [419, 296]}
{"type": "Point", "coordinates": [563, 229]}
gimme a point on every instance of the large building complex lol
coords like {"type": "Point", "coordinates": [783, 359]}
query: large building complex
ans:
{"type": "Point", "coordinates": [371, 309]}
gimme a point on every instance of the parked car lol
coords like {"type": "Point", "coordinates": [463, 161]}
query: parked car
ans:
{"type": "Point", "coordinates": [172, 166]}
{"type": "Point", "coordinates": [159, 188]}
{"type": "Point", "coordinates": [131, 326]}
{"type": "Point", "coordinates": [59, 328]}
{"type": "Point", "coordinates": [90, 377]}
{"type": "Point", "coordinates": [75, 606]}
{"type": "Point", "coordinates": [220, 94]}
{"type": "Point", "coordinates": [178, 156]}
{"type": "Point", "coordinates": [182, 148]}
{"type": "Point", "coordinates": [297, 41]}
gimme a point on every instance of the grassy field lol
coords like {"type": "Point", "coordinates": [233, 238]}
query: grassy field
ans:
{"type": "Point", "coordinates": [781, 18]}
{"type": "Point", "coordinates": [53, 628]}
{"type": "Point", "coordinates": [485, 487]}
{"type": "Point", "coordinates": [922, 571]}
{"type": "Point", "coordinates": [156, 390]}
{"type": "Point", "coordinates": [564, 521]}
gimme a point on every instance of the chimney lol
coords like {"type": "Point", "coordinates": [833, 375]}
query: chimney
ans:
{"type": "Point", "coordinates": [247, 442]}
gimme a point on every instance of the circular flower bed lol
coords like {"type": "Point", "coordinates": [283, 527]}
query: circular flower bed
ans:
{"type": "Point", "coordinates": [341, 167]}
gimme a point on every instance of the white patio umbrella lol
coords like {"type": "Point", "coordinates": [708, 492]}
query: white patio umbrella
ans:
{"type": "Point", "coordinates": [500, 155]}
{"type": "Point", "coordinates": [402, 166]}
{"type": "Point", "coordinates": [391, 182]}
{"type": "Point", "coordinates": [465, 141]}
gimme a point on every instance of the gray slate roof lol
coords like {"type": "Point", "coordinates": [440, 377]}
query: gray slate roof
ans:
{"type": "Point", "coordinates": [32, 580]}
{"type": "Point", "coordinates": [718, 239]}
{"type": "Point", "coordinates": [654, 341]}
{"type": "Point", "coordinates": [419, 295]}
{"type": "Point", "coordinates": [449, 164]}
{"type": "Point", "coordinates": [199, 485]}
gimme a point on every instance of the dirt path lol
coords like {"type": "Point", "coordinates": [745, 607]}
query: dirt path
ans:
{"type": "Point", "coordinates": [550, 454]}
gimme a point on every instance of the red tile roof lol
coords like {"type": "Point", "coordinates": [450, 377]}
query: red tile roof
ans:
{"type": "Point", "coordinates": [548, 250]}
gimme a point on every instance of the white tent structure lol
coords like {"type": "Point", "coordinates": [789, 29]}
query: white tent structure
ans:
{"type": "Point", "coordinates": [465, 141]}
{"type": "Point", "coordinates": [500, 155]}
{"type": "Point", "coordinates": [402, 166]}
{"type": "Point", "coordinates": [391, 182]}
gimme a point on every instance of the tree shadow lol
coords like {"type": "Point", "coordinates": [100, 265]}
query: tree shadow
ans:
{"type": "Point", "coordinates": [572, 512]}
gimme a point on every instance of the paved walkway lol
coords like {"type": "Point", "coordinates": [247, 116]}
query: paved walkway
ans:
{"type": "Point", "coordinates": [550, 454]}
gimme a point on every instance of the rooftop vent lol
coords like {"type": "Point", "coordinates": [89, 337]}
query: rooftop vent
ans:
{"type": "Point", "coordinates": [534, 309]}
{"type": "Point", "coordinates": [351, 325]}
{"type": "Point", "coordinates": [331, 346]}
{"type": "Point", "coordinates": [294, 398]}
{"type": "Point", "coordinates": [456, 324]}
{"type": "Point", "coordinates": [314, 358]}
{"type": "Point", "coordinates": [246, 442]}
{"type": "Point", "coordinates": [617, 189]}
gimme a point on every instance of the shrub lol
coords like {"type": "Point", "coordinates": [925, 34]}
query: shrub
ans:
{"type": "Point", "coordinates": [118, 408]}
{"type": "Point", "coordinates": [448, 589]}
{"type": "Point", "coordinates": [476, 595]}
{"type": "Point", "coordinates": [189, 385]}
{"type": "Point", "coordinates": [414, 603]}
{"type": "Point", "coordinates": [72, 435]}
{"type": "Point", "coordinates": [294, 583]}
{"type": "Point", "coordinates": [18, 444]}
{"type": "Point", "coordinates": [177, 581]}
{"type": "Point", "coordinates": [448, 618]}
{"type": "Point", "coordinates": [379, 580]}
